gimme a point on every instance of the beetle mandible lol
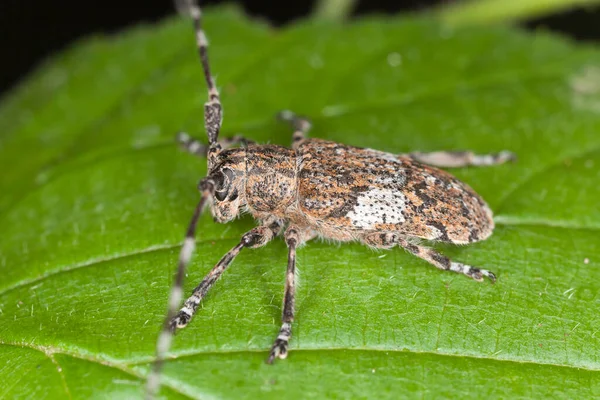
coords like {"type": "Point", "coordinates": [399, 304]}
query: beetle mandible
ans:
{"type": "Point", "coordinates": [322, 189]}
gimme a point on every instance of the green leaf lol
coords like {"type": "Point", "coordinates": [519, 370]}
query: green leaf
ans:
{"type": "Point", "coordinates": [96, 196]}
{"type": "Point", "coordinates": [487, 11]}
{"type": "Point", "coordinates": [337, 10]}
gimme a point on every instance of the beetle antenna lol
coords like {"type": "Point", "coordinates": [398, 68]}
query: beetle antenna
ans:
{"type": "Point", "coordinates": [213, 111]}
{"type": "Point", "coordinates": [168, 330]}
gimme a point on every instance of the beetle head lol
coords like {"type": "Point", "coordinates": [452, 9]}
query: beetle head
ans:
{"type": "Point", "coordinates": [228, 173]}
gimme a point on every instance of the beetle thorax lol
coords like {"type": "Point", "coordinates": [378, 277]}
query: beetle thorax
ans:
{"type": "Point", "coordinates": [270, 180]}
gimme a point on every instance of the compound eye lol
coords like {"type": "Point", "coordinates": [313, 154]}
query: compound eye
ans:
{"type": "Point", "coordinates": [223, 179]}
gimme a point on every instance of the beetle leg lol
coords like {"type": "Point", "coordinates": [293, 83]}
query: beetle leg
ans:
{"type": "Point", "coordinates": [301, 125]}
{"type": "Point", "coordinates": [293, 238]}
{"type": "Point", "coordinates": [390, 239]}
{"type": "Point", "coordinates": [455, 159]}
{"type": "Point", "coordinates": [257, 237]}
{"type": "Point", "coordinates": [197, 148]}
{"type": "Point", "coordinates": [442, 262]}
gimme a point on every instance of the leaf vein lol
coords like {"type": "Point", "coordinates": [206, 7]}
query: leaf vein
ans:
{"type": "Point", "coordinates": [49, 351]}
{"type": "Point", "coordinates": [500, 220]}
{"type": "Point", "coordinates": [61, 374]}
{"type": "Point", "coordinates": [93, 262]}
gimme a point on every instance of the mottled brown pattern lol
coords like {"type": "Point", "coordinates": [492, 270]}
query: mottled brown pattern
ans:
{"type": "Point", "coordinates": [333, 178]}
{"type": "Point", "coordinates": [347, 193]}
{"type": "Point", "coordinates": [270, 179]}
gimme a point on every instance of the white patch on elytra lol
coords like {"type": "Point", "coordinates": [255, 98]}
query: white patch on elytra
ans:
{"type": "Point", "coordinates": [378, 206]}
{"type": "Point", "coordinates": [586, 89]}
{"type": "Point", "coordinates": [397, 180]}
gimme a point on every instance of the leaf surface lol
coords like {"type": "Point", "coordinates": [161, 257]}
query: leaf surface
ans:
{"type": "Point", "coordinates": [95, 199]}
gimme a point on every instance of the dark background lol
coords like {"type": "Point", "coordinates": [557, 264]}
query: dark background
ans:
{"type": "Point", "coordinates": [31, 30]}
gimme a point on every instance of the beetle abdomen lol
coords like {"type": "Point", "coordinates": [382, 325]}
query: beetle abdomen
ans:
{"type": "Point", "coordinates": [367, 190]}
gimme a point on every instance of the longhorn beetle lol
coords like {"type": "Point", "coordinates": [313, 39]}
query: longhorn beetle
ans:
{"type": "Point", "coordinates": [322, 189]}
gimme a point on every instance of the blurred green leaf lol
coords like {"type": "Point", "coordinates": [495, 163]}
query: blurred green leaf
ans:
{"type": "Point", "coordinates": [333, 9]}
{"type": "Point", "coordinates": [463, 12]}
{"type": "Point", "coordinates": [95, 199]}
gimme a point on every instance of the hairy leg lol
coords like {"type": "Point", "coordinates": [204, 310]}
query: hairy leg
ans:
{"type": "Point", "coordinates": [294, 236]}
{"type": "Point", "coordinates": [256, 237]}
{"type": "Point", "coordinates": [300, 125]}
{"type": "Point", "coordinates": [390, 239]}
{"type": "Point", "coordinates": [454, 159]}
{"type": "Point", "coordinates": [197, 148]}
